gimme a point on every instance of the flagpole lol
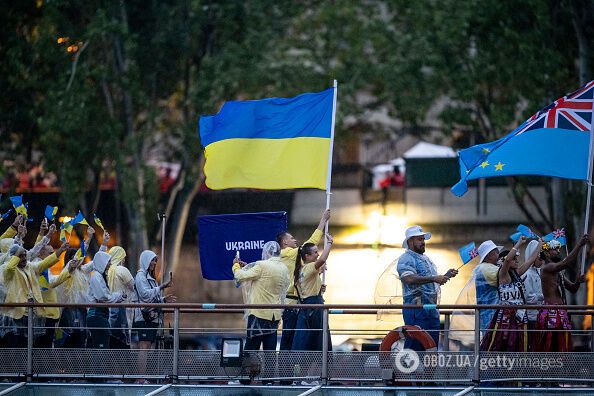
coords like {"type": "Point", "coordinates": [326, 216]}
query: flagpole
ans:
{"type": "Point", "coordinates": [329, 176]}
{"type": "Point", "coordinates": [589, 187]}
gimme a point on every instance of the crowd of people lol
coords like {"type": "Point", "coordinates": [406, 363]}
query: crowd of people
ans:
{"type": "Point", "coordinates": [25, 277]}
{"type": "Point", "coordinates": [289, 273]}
{"type": "Point", "coordinates": [500, 278]}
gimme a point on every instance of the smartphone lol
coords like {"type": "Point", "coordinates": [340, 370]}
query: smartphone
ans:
{"type": "Point", "coordinates": [237, 254]}
{"type": "Point", "coordinates": [170, 275]}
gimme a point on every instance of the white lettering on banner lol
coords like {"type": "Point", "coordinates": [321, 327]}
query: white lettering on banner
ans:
{"type": "Point", "coordinates": [244, 245]}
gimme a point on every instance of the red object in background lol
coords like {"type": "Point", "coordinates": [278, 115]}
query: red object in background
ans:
{"type": "Point", "coordinates": [398, 180]}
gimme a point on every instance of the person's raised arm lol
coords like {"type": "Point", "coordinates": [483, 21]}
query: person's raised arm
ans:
{"type": "Point", "coordinates": [318, 233]}
{"type": "Point", "coordinates": [46, 236]}
{"type": "Point", "coordinates": [12, 230]}
{"type": "Point", "coordinates": [325, 253]}
{"type": "Point", "coordinates": [571, 257]}
{"type": "Point", "coordinates": [90, 233]}
{"type": "Point", "coordinates": [250, 273]}
{"type": "Point", "coordinates": [530, 260]}
{"type": "Point", "coordinates": [106, 236]}
{"type": "Point", "coordinates": [504, 270]}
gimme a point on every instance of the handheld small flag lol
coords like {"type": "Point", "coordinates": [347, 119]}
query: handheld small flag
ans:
{"type": "Point", "coordinates": [81, 252]}
{"type": "Point", "coordinates": [50, 212]}
{"type": "Point", "coordinates": [17, 203]}
{"type": "Point", "coordinates": [526, 231]}
{"type": "Point", "coordinates": [515, 236]}
{"type": "Point", "coordinates": [5, 215]}
{"type": "Point", "coordinates": [62, 233]}
{"type": "Point", "coordinates": [558, 235]}
{"type": "Point", "coordinates": [79, 219]}
{"type": "Point", "coordinates": [97, 221]}
{"type": "Point", "coordinates": [44, 280]}
{"type": "Point", "coordinates": [468, 252]}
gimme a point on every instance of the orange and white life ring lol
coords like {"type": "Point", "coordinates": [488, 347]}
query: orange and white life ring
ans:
{"type": "Point", "coordinates": [407, 331]}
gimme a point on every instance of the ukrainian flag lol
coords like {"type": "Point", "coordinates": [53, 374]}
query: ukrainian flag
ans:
{"type": "Point", "coordinates": [272, 144]}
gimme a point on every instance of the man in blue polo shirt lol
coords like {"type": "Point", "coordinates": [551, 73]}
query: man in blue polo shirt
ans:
{"type": "Point", "coordinates": [420, 285]}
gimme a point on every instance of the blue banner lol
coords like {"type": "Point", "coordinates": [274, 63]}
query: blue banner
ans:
{"type": "Point", "coordinates": [221, 236]}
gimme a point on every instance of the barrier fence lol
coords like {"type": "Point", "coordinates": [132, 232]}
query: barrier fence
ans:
{"type": "Point", "coordinates": [450, 364]}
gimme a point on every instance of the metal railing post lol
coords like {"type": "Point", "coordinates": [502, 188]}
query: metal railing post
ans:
{"type": "Point", "coordinates": [29, 375]}
{"type": "Point", "coordinates": [446, 333]}
{"type": "Point", "coordinates": [592, 333]}
{"type": "Point", "coordinates": [175, 343]}
{"type": "Point", "coordinates": [477, 345]}
{"type": "Point", "coordinates": [325, 345]}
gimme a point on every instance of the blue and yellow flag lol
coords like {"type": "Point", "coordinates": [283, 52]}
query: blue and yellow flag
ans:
{"type": "Point", "coordinates": [5, 215]}
{"type": "Point", "coordinates": [97, 221]}
{"type": "Point", "coordinates": [272, 144]}
{"type": "Point", "coordinates": [17, 203]}
{"type": "Point", "coordinates": [79, 219]}
{"type": "Point", "coordinates": [50, 212]}
{"type": "Point", "coordinates": [44, 280]}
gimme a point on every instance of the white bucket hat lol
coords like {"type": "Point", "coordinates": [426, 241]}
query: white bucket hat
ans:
{"type": "Point", "coordinates": [486, 248]}
{"type": "Point", "coordinates": [413, 232]}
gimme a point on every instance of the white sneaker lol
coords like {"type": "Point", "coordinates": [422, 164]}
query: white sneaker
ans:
{"type": "Point", "coordinates": [312, 383]}
{"type": "Point", "coordinates": [234, 382]}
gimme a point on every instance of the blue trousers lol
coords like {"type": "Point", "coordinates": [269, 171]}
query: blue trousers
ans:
{"type": "Point", "coordinates": [426, 319]}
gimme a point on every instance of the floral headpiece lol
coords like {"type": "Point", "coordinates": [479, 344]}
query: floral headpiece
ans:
{"type": "Point", "coordinates": [552, 244]}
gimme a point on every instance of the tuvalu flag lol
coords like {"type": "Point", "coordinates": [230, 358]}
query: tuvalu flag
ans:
{"type": "Point", "coordinates": [275, 143]}
{"type": "Point", "coordinates": [553, 142]}
{"type": "Point", "coordinates": [468, 252]}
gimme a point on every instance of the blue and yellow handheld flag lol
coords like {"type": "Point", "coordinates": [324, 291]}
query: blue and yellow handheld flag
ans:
{"type": "Point", "coordinates": [5, 215]}
{"type": "Point", "coordinates": [553, 142]}
{"type": "Point", "coordinates": [558, 235]}
{"type": "Point", "coordinates": [79, 219]}
{"type": "Point", "coordinates": [276, 143]}
{"type": "Point", "coordinates": [17, 203]}
{"type": "Point", "coordinates": [50, 212]}
{"type": "Point", "coordinates": [97, 221]}
{"type": "Point", "coordinates": [44, 280]}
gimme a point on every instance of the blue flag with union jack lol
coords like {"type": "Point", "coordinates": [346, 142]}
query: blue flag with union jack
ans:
{"type": "Point", "coordinates": [553, 142]}
{"type": "Point", "coordinates": [558, 235]}
{"type": "Point", "coordinates": [468, 252]}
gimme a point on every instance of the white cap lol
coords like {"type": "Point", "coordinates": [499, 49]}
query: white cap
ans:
{"type": "Point", "coordinates": [412, 232]}
{"type": "Point", "coordinates": [486, 248]}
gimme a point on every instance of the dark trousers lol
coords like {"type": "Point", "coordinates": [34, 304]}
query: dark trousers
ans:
{"type": "Point", "coordinates": [261, 332]}
{"type": "Point", "coordinates": [427, 320]}
{"type": "Point", "coordinates": [308, 333]}
{"type": "Point", "coordinates": [46, 340]}
{"type": "Point", "coordinates": [289, 322]}
{"type": "Point", "coordinates": [98, 323]}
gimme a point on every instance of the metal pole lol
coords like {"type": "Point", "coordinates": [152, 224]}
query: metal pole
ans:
{"type": "Point", "coordinates": [591, 333]}
{"type": "Point", "coordinates": [163, 267]}
{"type": "Point", "coordinates": [29, 376]}
{"type": "Point", "coordinates": [589, 186]}
{"type": "Point", "coordinates": [325, 345]}
{"type": "Point", "coordinates": [329, 176]}
{"type": "Point", "coordinates": [446, 333]}
{"type": "Point", "coordinates": [175, 343]}
{"type": "Point", "coordinates": [477, 342]}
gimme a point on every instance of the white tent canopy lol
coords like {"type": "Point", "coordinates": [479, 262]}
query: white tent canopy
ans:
{"type": "Point", "coordinates": [429, 150]}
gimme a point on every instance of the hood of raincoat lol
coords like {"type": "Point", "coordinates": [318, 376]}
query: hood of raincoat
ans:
{"type": "Point", "coordinates": [118, 254]}
{"type": "Point", "coordinates": [100, 261]}
{"type": "Point", "coordinates": [145, 259]}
